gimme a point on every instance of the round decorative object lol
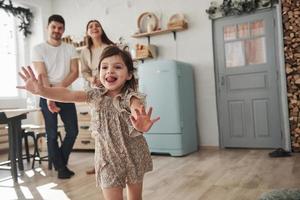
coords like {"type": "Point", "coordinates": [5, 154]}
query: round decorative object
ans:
{"type": "Point", "coordinates": [147, 22]}
{"type": "Point", "coordinates": [176, 17]}
{"type": "Point", "coordinates": [177, 20]}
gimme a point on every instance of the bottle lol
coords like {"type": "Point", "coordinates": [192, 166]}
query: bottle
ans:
{"type": "Point", "coordinates": [133, 53]}
{"type": "Point", "coordinates": [150, 28]}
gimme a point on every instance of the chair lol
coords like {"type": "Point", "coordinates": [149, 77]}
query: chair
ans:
{"type": "Point", "coordinates": [24, 136]}
{"type": "Point", "coordinates": [37, 132]}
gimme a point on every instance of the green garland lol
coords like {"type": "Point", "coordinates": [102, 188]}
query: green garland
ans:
{"type": "Point", "coordinates": [23, 14]}
{"type": "Point", "coordinates": [237, 7]}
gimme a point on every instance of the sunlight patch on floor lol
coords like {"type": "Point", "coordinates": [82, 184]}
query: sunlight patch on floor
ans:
{"type": "Point", "coordinates": [26, 192]}
{"type": "Point", "coordinates": [8, 193]}
{"type": "Point", "coordinates": [9, 182]}
{"type": "Point", "coordinates": [30, 173]}
{"type": "Point", "coordinates": [9, 190]}
{"type": "Point", "coordinates": [47, 192]}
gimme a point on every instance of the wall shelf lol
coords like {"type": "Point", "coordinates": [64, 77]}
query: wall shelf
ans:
{"type": "Point", "coordinates": [160, 32]}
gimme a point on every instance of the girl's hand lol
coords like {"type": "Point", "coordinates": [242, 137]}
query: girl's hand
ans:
{"type": "Point", "coordinates": [143, 121]}
{"type": "Point", "coordinates": [32, 85]}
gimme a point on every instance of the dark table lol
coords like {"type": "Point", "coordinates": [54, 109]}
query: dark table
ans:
{"type": "Point", "coordinates": [13, 118]}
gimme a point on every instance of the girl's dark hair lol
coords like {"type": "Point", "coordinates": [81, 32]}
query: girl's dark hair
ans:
{"type": "Point", "coordinates": [104, 37]}
{"type": "Point", "coordinates": [114, 50]}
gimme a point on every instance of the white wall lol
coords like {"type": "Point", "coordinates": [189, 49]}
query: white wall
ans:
{"type": "Point", "coordinates": [119, 18]}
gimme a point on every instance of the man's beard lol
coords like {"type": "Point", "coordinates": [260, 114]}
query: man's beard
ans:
{"type": "Point", "coordinates": [56, 36]}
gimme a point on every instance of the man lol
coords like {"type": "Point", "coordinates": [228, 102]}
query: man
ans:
{"type": "Point", "coordinates": [57, 63]}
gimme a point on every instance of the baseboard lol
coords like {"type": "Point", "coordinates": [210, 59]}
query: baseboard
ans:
{"type": "Point", "coordinates": [209, 147]}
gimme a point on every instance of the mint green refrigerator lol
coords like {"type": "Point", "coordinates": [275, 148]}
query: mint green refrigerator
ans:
{"type": "Point", "coordinates": [169, 86]}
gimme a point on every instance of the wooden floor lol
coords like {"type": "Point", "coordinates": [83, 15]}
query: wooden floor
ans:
{"type": "Point", "coordinates": [232, 174]}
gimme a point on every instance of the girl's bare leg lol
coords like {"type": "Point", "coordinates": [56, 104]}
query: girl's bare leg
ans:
{"type": "Point", "coordinates": [134, 191]}
{"type": "Point", "coordinates": [113, 193]}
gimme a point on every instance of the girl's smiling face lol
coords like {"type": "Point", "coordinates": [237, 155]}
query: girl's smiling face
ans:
{"type": "Point", "coordinates": [114, 74]}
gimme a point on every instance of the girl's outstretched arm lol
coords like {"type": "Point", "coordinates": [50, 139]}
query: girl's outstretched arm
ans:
{"type": "Point", "coordinates": [140, 119]}
{"type": "Point", "coordinates": [35, 86]}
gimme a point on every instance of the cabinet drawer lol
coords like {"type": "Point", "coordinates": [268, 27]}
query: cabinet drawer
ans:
{"type": "Point", "coordinates": [83, 127]}
{"type": "Point", "coordinates": [84, 116]}
{"type": "Point", "coordinates": [84, 143]}
{"type": "Point", "coordinates": [3, 137]}
{"type": "Point", "coordinates": [84, 139]}
{"type": "Point", "coordinates": [84, 133]}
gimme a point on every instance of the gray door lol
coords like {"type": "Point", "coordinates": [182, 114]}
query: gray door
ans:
{"type": "Point", "coordinates": [246, 74]}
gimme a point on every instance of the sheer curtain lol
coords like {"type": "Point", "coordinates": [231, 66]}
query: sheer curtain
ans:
{"type": "Point", "coordinates": [12, 46]}
{"type": "Point", "coordinates": [8, 56]}
{"type": "Point", "coordinates": [245, 44]}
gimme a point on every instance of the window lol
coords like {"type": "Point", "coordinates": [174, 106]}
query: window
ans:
{"type": "Point", "coordinates": [8, 56]}
{"type": "Point", "coordinates": [245, 44]}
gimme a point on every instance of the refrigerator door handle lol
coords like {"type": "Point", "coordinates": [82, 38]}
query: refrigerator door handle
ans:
{"type": "Point", "coordinates": [222, 80]}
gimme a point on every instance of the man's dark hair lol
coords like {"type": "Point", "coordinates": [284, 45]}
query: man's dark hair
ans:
{"type": "Point", "coordinates": [56, 18]}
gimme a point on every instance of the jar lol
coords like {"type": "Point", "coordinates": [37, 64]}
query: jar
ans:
{"type": "Point", "coordinates": [150, 28]}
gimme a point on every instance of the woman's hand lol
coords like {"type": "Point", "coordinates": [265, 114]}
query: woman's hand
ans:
{"type": "Point", "coordinates": [143, 122]}
{"type": "Point", "coordinates": [97, 82]}
{"type": "Point", "coordinates": [32, 85]}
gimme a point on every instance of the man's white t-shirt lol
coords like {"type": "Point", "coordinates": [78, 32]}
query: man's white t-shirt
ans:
{"type": "Point", "coordinates": [57, 59]}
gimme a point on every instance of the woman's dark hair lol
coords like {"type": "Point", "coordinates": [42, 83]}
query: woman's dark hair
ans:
{"type": "Point", "coordinates": [56, 18]}
{"type": "Point", "coordinates": [114, 50]}
{"type": "Point", "coordinates": [104, 37]}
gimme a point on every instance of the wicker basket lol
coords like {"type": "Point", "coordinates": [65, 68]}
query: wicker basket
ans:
{"type": "Point", "coordinates": [145, 51]}
{"type": "Point", "coordinates": [177, 24]}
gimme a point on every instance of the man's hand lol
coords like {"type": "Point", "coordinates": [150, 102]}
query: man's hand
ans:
{"type": "Point", "coordinates": [52, 106]}
{"type": "Point", "coordinates": [143, 121]}
{"type": "Point", "coordinates": [32, 85]}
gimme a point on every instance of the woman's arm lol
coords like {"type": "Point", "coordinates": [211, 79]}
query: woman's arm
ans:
{"type": "Point", "coordinates": [85, 70]}
{"type": "Point", "coordinates": [36, 86]}
{"type": "Point", "coordinates": [141, 120]}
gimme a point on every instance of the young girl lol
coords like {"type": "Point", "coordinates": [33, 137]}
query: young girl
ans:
{"type": "Point", "coordinates": [97, 40]}
{"type": "Point", "coordinates": [121, 153]}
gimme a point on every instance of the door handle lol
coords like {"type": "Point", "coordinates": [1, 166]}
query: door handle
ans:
{"type": "Point", "coordinates": [84, 113]}
{"type": "Point", "coordinates": [84, 127]}
{"type": "Point", "coordinates": [85, 142]}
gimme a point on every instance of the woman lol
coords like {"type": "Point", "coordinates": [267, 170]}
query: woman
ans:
{"type": "Point", "coordinates": [90, 57]}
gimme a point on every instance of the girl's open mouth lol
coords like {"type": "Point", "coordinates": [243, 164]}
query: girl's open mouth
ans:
{"type": "Point", "coordinates": [111, 79]}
